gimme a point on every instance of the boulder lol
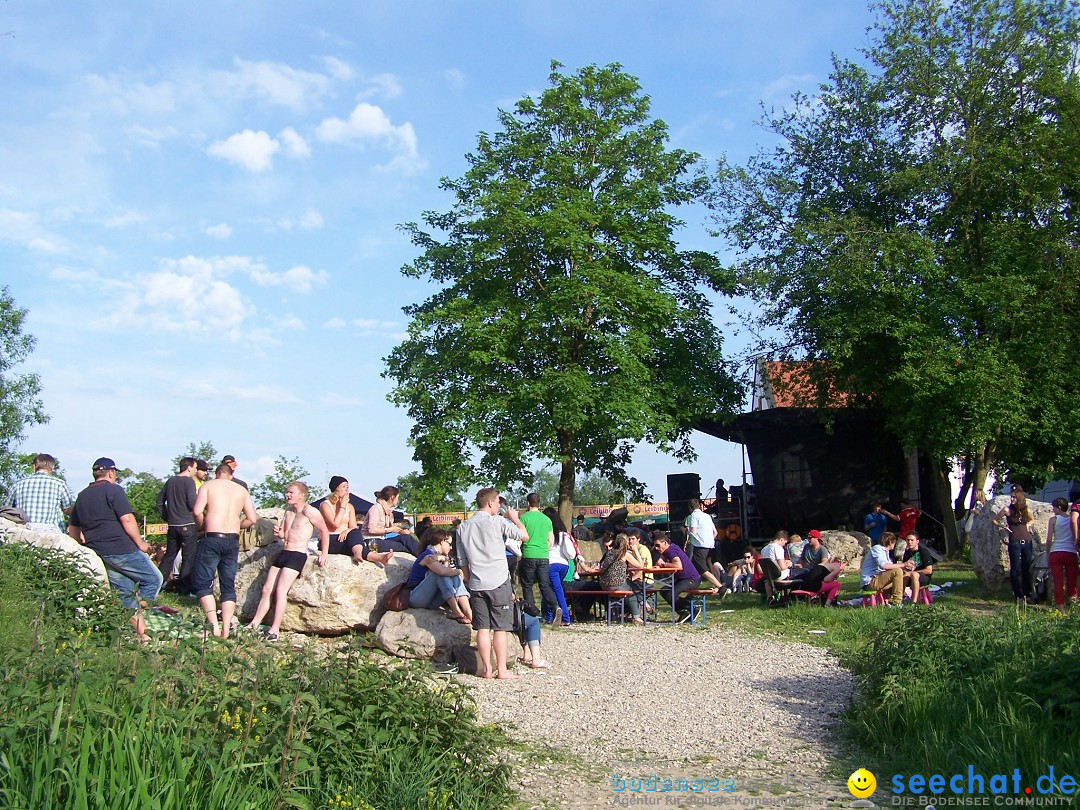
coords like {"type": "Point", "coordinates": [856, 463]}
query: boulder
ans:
{"type": "Point", "coordinates": [989, 553]}
{"type": "Point", "coordinates": [849, 546]}
{"type": "Point", "coordinates": [85, 558]}
{"type": "Point", "coordinates": [420, 633]}
{"type": "Point", "coordinates": [591, 550]}
{"type": "Point", "coordinates": [324, 601]}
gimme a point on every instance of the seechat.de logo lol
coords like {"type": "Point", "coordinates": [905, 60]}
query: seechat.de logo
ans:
{"type": "Point", "coordinates": [861, 783]}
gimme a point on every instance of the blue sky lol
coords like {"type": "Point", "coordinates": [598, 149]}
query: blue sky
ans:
{"type": "Point", "coordinates": [199, 201]}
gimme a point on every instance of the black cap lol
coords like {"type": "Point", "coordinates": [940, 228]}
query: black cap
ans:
{"type": "Point", "coordinates": [201, 465]}
{"type": "Point", "coordinates": [227, 459]}
{"type": "Point", "coordinates": [105, 463]}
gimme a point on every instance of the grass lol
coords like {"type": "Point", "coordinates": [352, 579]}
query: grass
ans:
{"type": "Point", "coordinates": [972, 680]}
{"type": "Point", "coordinates": [89, 720]}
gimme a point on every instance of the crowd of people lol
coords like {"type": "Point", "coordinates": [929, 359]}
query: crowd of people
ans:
{"type": "Point", "coordinates": [469, 571]}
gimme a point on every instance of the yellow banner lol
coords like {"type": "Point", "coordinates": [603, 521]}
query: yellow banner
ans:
{"type": "Point", "coordinates": [157, 528]}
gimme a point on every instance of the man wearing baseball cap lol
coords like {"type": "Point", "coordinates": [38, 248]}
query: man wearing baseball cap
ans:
{"type": "Point", "coordinates": [231, 461]}
{"type": "Point", "coordinates": [103, 520]}
{"type": "Point", "coordinates": [813, 553]}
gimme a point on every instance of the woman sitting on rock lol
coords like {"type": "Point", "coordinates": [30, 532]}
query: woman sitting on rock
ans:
{"type": "Point", "coordinates": [379, 528]}
{"type": "Point", "coordinates": [433, 581]}
{"type": "Point", "coordinates": [345, 536]}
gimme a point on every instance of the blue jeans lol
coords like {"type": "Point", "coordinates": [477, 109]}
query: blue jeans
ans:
{"type": "Point", "coordinates": [1020, 567]}
{"type": "Point", "coordinates": [532, 629]}
{"type": "Point", "coordinates": [134, 575]}
{"type": "Point", "coordinates": [216, 555]}
{"type": "Point", "coordinates": [433, 590]}
{"type": "Point", "coordinates": [556, 572]}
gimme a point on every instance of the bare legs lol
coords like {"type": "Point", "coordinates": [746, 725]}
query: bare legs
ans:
{"type": "Point", "coordinates": [209, 607]}
{"type": "Point", "coordinates": [485, 644]}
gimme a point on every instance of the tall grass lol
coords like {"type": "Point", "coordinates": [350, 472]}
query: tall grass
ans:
{"type": "Point", "coordinates": [88, 720]}
{"type": "Point", "coordinates": [941, 689]}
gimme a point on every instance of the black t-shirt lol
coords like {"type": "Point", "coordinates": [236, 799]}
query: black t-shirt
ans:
{"type": "Point", "coordinates": [919, 555]}
{"type": "Point", "coordinates": [97, 512]}
{"type": "Point", "coordinates": [178, 499]}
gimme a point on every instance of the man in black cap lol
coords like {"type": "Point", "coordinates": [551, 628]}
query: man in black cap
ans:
{"type": "Point", "coordinates": [103, 519]}
{"type": "Point", "coordinates": [202, 472]}
{"type": "Point", "coordinates": [231, 461]}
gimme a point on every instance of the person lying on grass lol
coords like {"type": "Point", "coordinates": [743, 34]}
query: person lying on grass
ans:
{"type": "Point", "coordinates": [300, 520]}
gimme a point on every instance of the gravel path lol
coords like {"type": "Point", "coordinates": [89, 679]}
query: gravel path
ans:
{"type": "Point", "coordinates": [756, 711]}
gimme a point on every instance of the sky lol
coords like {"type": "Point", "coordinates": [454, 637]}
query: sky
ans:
{"type": "Point", "coordinates": [199, 202]}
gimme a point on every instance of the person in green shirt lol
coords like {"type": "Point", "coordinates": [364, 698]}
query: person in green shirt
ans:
{"type": "Point", "coordinates": [533, 567]}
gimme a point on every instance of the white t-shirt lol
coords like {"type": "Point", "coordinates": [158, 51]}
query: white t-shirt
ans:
{"type": "Point", "coordinates": [775, 552]}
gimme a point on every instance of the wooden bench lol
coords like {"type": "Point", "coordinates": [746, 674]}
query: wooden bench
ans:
{"type": "Point", "coordinates": [697, 604]}
{"type": "Point", "coordinates": [613, 598]}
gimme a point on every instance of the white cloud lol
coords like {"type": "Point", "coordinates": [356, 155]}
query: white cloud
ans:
{"type": "Point", "coordinates": [24, 229]}
{"type": "Point", "coordinates": [253, 150]}
{"type": "Point", "coordinates": [299, 278]}
{"type": "Point", "coordinates": [221, 231]}
{"type": "Point", "coordinates": [310, 220]}
{"type": "Point", "coordinates": [385, 85]}
{"type": "Point", "coordinates": [150, 136]}
{"type": "Point", "coordinates": [289, 322]}
{"type": "Point", "coordinates": [224, 392]}
{"type": "Point", "coordinates": [276, 83]}
{"type": "Point", "coordinates": [370, 326]}
{"type": "Point", "coordinates": [334, 323]}
{"type": "Point", "coordinates": [337, 401]}
{"type": "Point", "coordinates": [125, 219]}
{"type": "Point", "coordinates": [369, 124]}
{"type": "Point", "coordinates": [779, 91]}
{"type": "Point", "coordinates": [70, 275]}
{"type": "Point", "coordinates": [455, 78]}
{"type": "Point", "coordinates": [295, 145]}
{"type": "Point", "coordinates": [338, 68]}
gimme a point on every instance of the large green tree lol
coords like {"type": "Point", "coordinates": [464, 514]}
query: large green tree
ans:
{"type": "Point", "coordinates": [916, 227]}
{"type": "Point", "coordinates": [570, 325]}
{"type": "Point", "coordinates": [20, 403]}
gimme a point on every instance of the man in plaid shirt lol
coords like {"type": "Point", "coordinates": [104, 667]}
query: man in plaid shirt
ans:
{"type": "Point", "coordinates": [44, 497]}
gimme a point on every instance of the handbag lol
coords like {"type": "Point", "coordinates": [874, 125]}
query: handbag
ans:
{"type": "Point", "coordinates": [397, 598]}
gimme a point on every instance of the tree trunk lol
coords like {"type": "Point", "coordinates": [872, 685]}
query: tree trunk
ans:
{"type": "Point", "coordinates": [567, 481]}
{"type": "Point", "coordinates": [941, 497]}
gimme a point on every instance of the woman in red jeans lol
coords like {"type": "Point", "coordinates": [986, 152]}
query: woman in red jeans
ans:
{"type": "Point", "coordinates": [1061, 541]}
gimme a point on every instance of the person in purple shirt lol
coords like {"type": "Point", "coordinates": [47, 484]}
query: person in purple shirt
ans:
{"type": "Point", "coordinates": [686, 576]}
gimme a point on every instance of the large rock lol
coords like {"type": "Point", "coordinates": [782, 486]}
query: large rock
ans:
{"type": "Point", "coordinates": [420, 633]}
{"type": "Point", "coordinates": [848, 546]}
{"type": "Point", "coordinates": [325, 601]}
{"type": "Point", "coordinates": [989, 554]}
{"type": "Point", "coordinates": [86, 559]}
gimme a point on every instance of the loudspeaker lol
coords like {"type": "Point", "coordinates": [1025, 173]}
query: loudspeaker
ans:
{"type": "Point", "coordinates": [681, 487]}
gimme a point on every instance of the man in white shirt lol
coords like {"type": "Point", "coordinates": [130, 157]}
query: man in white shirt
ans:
{"type": "Point", "coordinates": [777, 552]}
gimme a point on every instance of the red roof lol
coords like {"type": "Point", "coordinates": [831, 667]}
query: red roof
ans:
{"type": "Point", "coordinates": [803, 384]}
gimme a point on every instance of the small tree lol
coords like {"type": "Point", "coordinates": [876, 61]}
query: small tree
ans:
{"type": "Point", "coordinates": [20, 406]}
{"type": "Point", "coordinates": [202, 450]}
{"type": "Point", "coordinates": [142, 490]}
{"type": "Point", "coordinates": [270, 492]}
{"type": "Point", "coordinates": [417, 496]}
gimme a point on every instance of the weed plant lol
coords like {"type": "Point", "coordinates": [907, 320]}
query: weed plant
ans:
{"type": "Point", "coordinates": [90, 720]}
{"type": "Point", "coordinates": [940, 689]}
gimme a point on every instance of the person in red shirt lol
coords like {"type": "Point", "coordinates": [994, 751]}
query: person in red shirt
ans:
{"type": "Point", "coordinates": [908, 516]}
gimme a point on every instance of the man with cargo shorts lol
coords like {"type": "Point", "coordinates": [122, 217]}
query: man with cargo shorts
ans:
{"type": "Point", "coordinates": [481, 553]}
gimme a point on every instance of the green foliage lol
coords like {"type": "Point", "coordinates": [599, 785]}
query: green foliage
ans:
{"type": "Point", "coordinates": [270, 492]}
{"type": "Point", "coordinates": [916, 228]}
{"type": "Point", "coordinates": [980, 691]}
{"type": "Point", "coordinates": [569, 326]}
{"type": "Point", "coordinates": [142, 490]}
{"type": "Point", "coordinates": [589, 488]}
{"type": "Point", "coordinates": [201, 450]}
{"type": "Point", "coordinates": [20, 405]}
{"type": "Point", "coordinates": [90, 722]}
{"type": "Point", "coordinates": [420, 494]}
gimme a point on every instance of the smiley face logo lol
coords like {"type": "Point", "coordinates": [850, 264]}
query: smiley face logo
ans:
{"type": "Point", "coordinates": [861, 783]}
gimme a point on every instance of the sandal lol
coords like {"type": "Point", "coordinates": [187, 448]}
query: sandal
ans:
{"type": "Point", "coordinates": [524, 663]}
{"type": "Point", "coordinates": [462, 620]}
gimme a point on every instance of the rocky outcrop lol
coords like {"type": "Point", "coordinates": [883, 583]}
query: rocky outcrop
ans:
{"type": "Point", "coordinates": [848, 546]}
{"type": "Point", "coordinates": [419, 633]}
{"type": "Point", "coordinates": [84, 557]}
{"type": "Point", "coordinates": [989, 553]}
{"type": "Point", "coordinates": [333, 600]}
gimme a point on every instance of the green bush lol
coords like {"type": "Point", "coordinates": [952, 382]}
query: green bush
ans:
{"type": "Point", "coordinates": [93, 721]}
{"type": "Point", "coordinates": [941, 689]}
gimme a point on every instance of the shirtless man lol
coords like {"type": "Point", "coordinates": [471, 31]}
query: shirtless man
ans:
{"type": "Point", "coordinates": [296, 529]}
{"type": "Point", "coordinates": [345, 535]}
{"type": "Point", "coordinates": [222, 509]}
